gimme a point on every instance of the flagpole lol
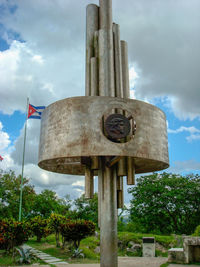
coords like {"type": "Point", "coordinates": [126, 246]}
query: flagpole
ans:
{"type": "Point", "coordinates": [21, 187]}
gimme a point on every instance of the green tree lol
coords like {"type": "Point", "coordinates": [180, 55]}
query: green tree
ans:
{"type": "Point", "coordinates": [10, 194]}
{"type": "Point", "coordinates": [47, 202]}
{"type": "Point", "coordinates": [39, 227]}
{"type": "Point", "coordinates": [55, 222]}
{"type": "Point", "coordinates": [166, 203]}
{"type": "Point", "coordinates": [75, 231]}
{"type": "Point", "coordinates": [86, 209]}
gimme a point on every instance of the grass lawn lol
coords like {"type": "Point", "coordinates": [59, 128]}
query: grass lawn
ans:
{"type": "Point", "coordinates": [88, 245]}
{"type": "Point", "coordinates": [48, 245]}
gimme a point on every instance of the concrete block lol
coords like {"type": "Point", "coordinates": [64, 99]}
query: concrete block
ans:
{"type": "Point", "coordinates": [148, 247]}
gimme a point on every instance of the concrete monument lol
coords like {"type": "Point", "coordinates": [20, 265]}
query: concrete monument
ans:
{"type": "Point", "coordinates": [104, 133]}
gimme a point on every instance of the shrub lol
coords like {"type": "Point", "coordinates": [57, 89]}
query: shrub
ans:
{"type": "Point", "coordinates": [13, 233]}
{"type": "Point", "coordinates": [197, 231]}
{"type": "Point", "coordinates": [39, 227]}
{"type": "Point", "coordinates": [55, 222]}
{"type": "Point", "coordinates": [75, 231]}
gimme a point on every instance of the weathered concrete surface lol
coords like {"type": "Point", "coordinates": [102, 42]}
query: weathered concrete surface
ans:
{"type": "Point", "coordinates": [189, 253]}
{"type": "Point", "coordinates": [176, 255]}
{"type": "Point", "coordinates": [108, 215]}
{"type": "Point", "coordinates": [72, 128]}
{"type": "Point", "coordinates": [92, 25]}
{"type": "Point", "coordinates": [191, 248]}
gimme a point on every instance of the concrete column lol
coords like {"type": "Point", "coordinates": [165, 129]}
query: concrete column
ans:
{"type": "Point", "coordinates": [117, 61]}
{"type": "Point", "coordinates": [106, 63]}
{"type": "Point", "coordinates": [108, 215]}
{"type": "Point", "coordinates": [105, 14]}
{"type": "Point", "coordinates": [92, 25]}
{"type": "Point", "coordinates": [106, 60]}
{"type": "Point", "coordinates": [125, 69]}
{"type": "Point", "coordinates": [94, 77]}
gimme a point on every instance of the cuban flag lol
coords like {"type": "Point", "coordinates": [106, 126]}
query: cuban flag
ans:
{"type": "Point", "coordinates": [1, 158]}
{"type": "Point", "coordinates": [35, 112]}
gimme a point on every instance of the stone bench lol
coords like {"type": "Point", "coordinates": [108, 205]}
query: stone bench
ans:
{"type": "Point", "coordinates": [176, 255]}
{"type": "Point", "coordinates": [188, 254]}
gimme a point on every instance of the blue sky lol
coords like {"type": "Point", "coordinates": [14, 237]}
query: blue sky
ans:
{"type": "Point", "coordinates": [42, 56]}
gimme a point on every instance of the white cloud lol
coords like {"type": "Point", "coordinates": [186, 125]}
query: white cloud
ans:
{"type": "Point", "coordinates": [38, 59]}
{"type": "Point", "coordinates": [163, 49]}
{"type": "Point", "coordinates": [194, 132]}
{"type": "Point", "coordinates": [5, 149]}
{"type": "Point", "coordinates": [163, 40]}
{"type": "Point", "coordinates": [192, 137]}
{"type": "Point", "coordinates": [4, 139]}
{"type": "Point", "coordinates": [187, 166]}
{"type": "Point", "coordinates": [181, 129]}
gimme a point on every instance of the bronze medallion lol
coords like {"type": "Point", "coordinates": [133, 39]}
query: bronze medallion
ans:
{"type": "Point", "coordinates": [117, 126]}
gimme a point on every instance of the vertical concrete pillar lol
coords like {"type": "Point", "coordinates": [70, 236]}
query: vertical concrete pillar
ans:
{"type": "Point", "coordinates": [92, 25]}
{"type": "Point", "coordinates": [106, 60]}
{"type": "Point", "coordinates": [125, 69]}
{"type": "Point", "coordinates": [108, 215]}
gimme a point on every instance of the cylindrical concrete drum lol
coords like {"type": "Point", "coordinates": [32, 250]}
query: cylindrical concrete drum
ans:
{"type": "Point", "coordinates": [73, 128]}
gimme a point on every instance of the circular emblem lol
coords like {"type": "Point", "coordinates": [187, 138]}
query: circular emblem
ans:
{"type": "Point", "coordinates": [117, 126]}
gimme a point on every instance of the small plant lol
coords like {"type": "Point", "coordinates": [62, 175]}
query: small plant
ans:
{"type": "Point", "coordinates": [77, 253]}
{"type": "Point", "coordinates": [25, 255]}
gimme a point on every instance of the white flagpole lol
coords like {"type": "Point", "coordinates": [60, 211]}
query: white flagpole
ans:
{"type": "Point", "coordinates": [21, 188]}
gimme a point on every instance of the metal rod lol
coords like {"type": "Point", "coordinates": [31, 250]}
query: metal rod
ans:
{"type": "Point", "coordinates": [120, 192]}
{"type": "Point", "coordinates": [23, 158]}
{"type": "Point", "coordinates": [100, 177]}
{"type": "Point", "coordinates": [121, 168]}
{"type": "Point", "coordinates": [95, 163]}
{"type": "Point", "coordinates": [130, 171]}
{"type": "Point", "coordinates": [89, 182]}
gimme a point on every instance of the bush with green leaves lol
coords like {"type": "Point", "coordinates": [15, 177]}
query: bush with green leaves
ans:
{"type": "Point", "coordinates": [55, 222]}
{"type": "Point", "coordinates": [197, 231]}
{"type": "Point", "coordinates": [39, 227]}
{"type": "Point", "coordinates": [75, 231]}
{"type": "Point", "coordinates": [13, 233]}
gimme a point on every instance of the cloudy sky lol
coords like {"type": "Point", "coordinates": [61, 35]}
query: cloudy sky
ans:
{"type": "Point", "coordinates": [42, 56]}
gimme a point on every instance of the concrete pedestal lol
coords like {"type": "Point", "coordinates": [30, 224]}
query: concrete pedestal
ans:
{"type": "Point", "coordinates": [148, 247]}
